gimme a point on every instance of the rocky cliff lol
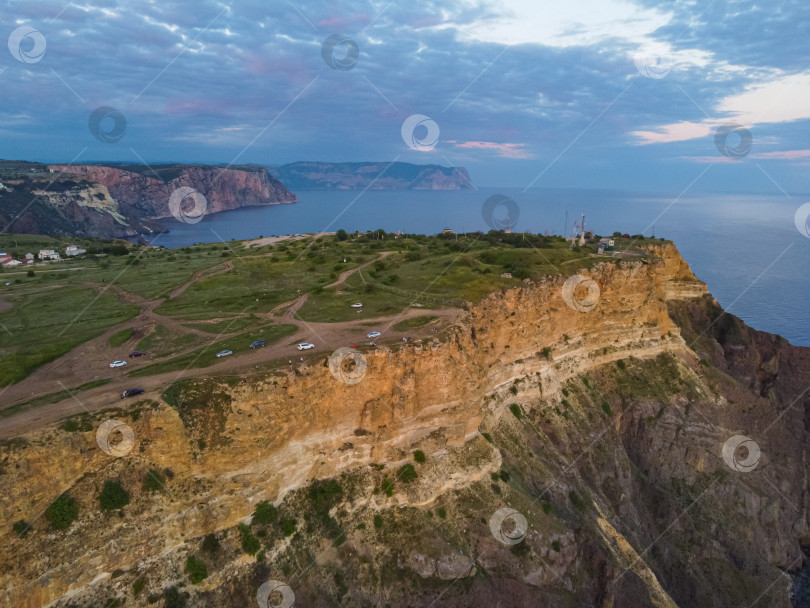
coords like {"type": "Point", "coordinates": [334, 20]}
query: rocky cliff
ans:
{"type": "Point", "coordinates": [126, 200]}
{"type": "Point", "coordinates": [376, 176]}
{"type": "Point", "coordinates": [540, 454]}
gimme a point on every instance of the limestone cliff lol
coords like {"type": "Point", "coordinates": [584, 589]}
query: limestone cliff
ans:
{"type": "Point", "coordinates": [604, 428]}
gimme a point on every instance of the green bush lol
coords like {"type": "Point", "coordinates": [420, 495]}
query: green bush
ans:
{"type": "Point", "coordinates": [606, 408]}
{"type": "Point", "coordinates": [555, 545]}
{"type": "Point", "coordinates": [419, 456]}
{"type": "Point", "coordinates": [407, 473]}
{"type": "Point", "coordinates": [442, 512]}
{"type": "Point", "coordinates": [264, 514]}
{"type": "Point", "coordinates": [173, 598]}
{"type": "Point", "coordinates": [250, 544]}
{"type": "Point", "coordinates": [515, 409]}
{"type": "Point", "coordinates": [546, 352]}
{"type": "Point", "coordinates": [154, 481]}
{"type": "Point", "coordinates": [621, 364]}
{"type": "Point", "coordinates": [62, 512]}
{"type": "Point", "coordinates": [387, 486]}
{"type": "Point", "coordinates": [578, 501]}
{"type": "Point", "coordinates": [288, 525]}
{"type": "Point", "coordinates": [378, 521]}
{"type": "Point", "coordinates": [21, 528]}
{"type": "Point", "coordinates": [504, 475]}
{"type": "Point", "coordinates": [210, 543]}
{"type": "Point", "coordinates": [196, 569]}
{"type": "Point", "coordinates": [113, 496]}
{"type": "Point", "coordinates": [138, 586]}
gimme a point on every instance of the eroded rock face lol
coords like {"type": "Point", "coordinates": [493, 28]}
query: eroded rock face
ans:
{"type": "Point", "coordinates": [142, 196]}
{"type": "Point", "coordinates": [613, 449]}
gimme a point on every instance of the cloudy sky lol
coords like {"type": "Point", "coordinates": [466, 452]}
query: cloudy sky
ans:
{"type": "Point", "coordinates": [711, 95]}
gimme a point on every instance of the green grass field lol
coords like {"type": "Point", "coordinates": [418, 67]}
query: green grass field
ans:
{"type": "Point", "coordinates": [58, 309]}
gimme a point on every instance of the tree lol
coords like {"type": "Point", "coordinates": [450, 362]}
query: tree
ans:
{"type": "Point", "coordinates": [264, 514]}
{"type": "Point", "coordinates": [62, 512]}
{"type": "Point", "coordinates": [407, 473]}
{"type": "Point", "coordinates": [113, 496]}
{"type": "Point", "coordinates": [196, 569]}
{"type": "Point", "coordinates": [341, 235]}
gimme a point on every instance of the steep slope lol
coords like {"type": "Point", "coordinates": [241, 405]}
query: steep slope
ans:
{"type": "Point", "coordinates": [604, 429]}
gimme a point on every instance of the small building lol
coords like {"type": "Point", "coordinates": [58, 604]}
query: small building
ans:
{"type": "Point", "coordinates": [5, 258]}
{"type": "Point", "coordinates": [12, 263]}
{"type": "Point", "coordinates": [30, 256]}
{"type": "Point", "coordinates": [72, 250]}
{"type": "Point", "coordinates": [49, 254]}
{"type": "Point", "coordinates": [448, 231]}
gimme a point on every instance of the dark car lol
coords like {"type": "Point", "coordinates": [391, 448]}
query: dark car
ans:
{"type": "Point", "coordinates": [257, 344]}
{"type": "Point", "coordinates": [131, 392]}
{"type": "Point", "coordinates": [137, 353]}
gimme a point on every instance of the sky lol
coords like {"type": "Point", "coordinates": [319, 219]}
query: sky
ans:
{"type": "Point", "coordinates": [681, 96]}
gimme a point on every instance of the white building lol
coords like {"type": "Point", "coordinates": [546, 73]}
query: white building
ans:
{"type": "Point", "coordinates": [72, 250]}
{"type": "Point", "coordinates": [49, 254]}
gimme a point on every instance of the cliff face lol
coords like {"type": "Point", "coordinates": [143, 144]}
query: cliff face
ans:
{"type": "Point", "coordinates": [604, 429]}
{"type": "Point", "coordinates": [376, 176]}
{"type": "Point", "coordinates": [223, 189]}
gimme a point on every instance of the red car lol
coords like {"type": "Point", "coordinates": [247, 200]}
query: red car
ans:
{"type": "Point", "coordinates": [137, 353]}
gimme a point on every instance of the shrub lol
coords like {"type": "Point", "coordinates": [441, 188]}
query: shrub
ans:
{"type": "Point", "coordinates": [250, 544]}
{"type": "Point", "coordinates": [578, 501]}
{"type": "Point", "coordinates": [407, 473]}
{"type": "Point", "coordinates": [621, 364]}
{"type": "Point", "coordinates": [264, 514]}
{"type": "Point", "coordinates": [504, 475]}
{"type": "Point", "coordinates": [387, 486]}
{"type": "Point", "coordinates": [30, 273]}
{"type": "Point", "coordinates": [196, 570]}
{"type": "Point", "coordinates": [378, 521]}
{"type": "Point", "coordinates": [113, 496]}
{"type": "Point", "coordinates": [62, 512]}
{"type": "Point", "coordinates": [487, 436]}
{"type": "Point", "coordinates": [138, 586]}
{"type": "Point", "coordinates": [515, 409]}
{"type": "Point", "coordinates": [606, 408]}
{"type": "Point", "coordinates": [154, 481]}
{"type": "Point", "coordinates": [288, 525]}
{"type": "Point", "coordinates": [21, 528]}
{"type": "Point", "coordinates": [442, 512]}
{"type": "Point", "coordinates": [513, 389]}
{"type": "Point", "coordinates": [555, 544]}
{"type": "Point", "coordinates": [548, 508]}
{"type": "Point", "coordinates": [173, 598]}
{"type": "Point", "coordinates": [419, 456]}
{"type": "Point", "coordinates": [210, 543]}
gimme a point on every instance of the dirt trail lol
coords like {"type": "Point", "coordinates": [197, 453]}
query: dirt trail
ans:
{"type": "Point", "coordinates": [345, 275]}
{"type": "Point", "coordinates": [206, 273]}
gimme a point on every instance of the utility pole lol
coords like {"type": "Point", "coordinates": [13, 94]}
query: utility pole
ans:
{"type": "Point", "coordinates": [565, 226]}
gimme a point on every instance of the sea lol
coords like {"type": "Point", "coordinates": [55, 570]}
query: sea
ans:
{"type": "Point", "coordinates": [746, 247]}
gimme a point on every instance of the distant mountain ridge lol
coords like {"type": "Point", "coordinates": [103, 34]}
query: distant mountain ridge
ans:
{"type": "Point", "coordinates": [122, 200]}
{"type": "Point", "coordinates": [372, 175]}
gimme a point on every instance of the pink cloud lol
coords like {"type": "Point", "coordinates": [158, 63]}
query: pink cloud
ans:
{"type": "Point", "coordinates": [681, 131]}
{"type": "Point", "coordinates": [504, 150]}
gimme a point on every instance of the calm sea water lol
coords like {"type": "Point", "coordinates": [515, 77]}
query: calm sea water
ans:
{"type": "Point", "coordinates": [745, 247]}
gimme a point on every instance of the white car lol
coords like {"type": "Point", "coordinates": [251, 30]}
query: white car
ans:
{"type": "Point", "coordinates": [118, 364]}
{"type": "Point", "coordinates": [305, 346]}
{"type": "Point", "coordinates": [224, 353]}
{"type": "Point", "coordinates": [357, 305]}
{"type": "Point", "coordinates": [373, 334]}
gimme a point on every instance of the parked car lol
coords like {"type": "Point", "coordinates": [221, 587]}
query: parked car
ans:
{"type": "Point", "coordinates": [137, 353]}
{"type": "Point", "coordinates": [224, 353]}
{"type": "Point", "coordinates": [305, 346]}
{"type": "Point", "coordinates": [131, 392]}
{"type": "Point", "coordinates": [257, 344]}
{"type": "Point", "coordinates": [357, 305]}
{"type": "Point", "coordinates": [118, 364]}
{"type": "Point", "coordinates": [373, 334]}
